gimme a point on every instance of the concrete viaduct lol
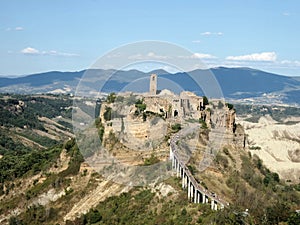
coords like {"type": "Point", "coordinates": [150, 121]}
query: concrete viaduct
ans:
{"type": "Point", "coordinates": [196, 192]}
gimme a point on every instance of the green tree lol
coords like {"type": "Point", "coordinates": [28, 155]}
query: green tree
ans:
{"type": "Point", "coordinates": [152, 160]}
{"type": "Point", "coordinates": [111, 97]}
{"type": "Point", "coordinates": [176, 127]}
{"type": "Point", "coordinates": [203, 123]}
{"type": "Point", "coordinates": [294, 219]}
{"type": "Point", "coordinates": [230, 106]}
{"type": "Point", "coordinates": [140, 105]}
{"type": "Point", "coordinates": [107, 114]}
{"type": "Point", "coordinates": [205, 101]}
{"type": "Point", "coordinates": [14, 221]}
{"type": "Point", "coordinates": [94, 216]}
{"type": "Point", "coordinates": [220, 105]}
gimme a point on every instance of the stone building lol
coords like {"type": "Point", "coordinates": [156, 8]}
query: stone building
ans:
{"type": "Point", "coordinates": [187, 104]}
{"type": "Point", "coordinates": [158, 104]}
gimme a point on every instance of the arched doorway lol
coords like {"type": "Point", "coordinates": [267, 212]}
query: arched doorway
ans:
{"type": "Point", "coordinates": [175, 113]}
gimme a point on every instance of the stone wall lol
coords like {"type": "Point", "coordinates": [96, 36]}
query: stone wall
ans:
{"type": "Point", "coordinates": [158, 105]}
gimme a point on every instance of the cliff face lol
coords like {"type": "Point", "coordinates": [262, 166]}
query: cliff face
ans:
{"type": "Point", "coordinates": [230, 120]}
{"type": "Point", "coordinates": [276, 144]}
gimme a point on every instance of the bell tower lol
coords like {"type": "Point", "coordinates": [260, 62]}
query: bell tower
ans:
{"type": "Point", "coordinates": [153, 84]}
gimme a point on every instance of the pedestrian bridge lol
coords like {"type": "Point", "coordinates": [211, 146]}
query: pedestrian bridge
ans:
{"type": "Point", "coordinates": [196, 192]}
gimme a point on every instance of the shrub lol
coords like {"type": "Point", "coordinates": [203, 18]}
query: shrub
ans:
{"type": "Point", "coordinates": [176, 127]}
{"type": "Point", "coordinates": [107, 113]}
{"type": "Point", "coordinates": [111, 97]}
{"type": "Point", "coordinates": [152, 160]}
{"type": "Point", "coordinates": [230, 106]}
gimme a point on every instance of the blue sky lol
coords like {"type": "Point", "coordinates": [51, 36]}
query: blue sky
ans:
{"type": "Point", "coordinates": [70, 35]}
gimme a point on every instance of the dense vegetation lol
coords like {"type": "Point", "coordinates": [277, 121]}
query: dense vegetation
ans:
{"type": "Point", "coordinates": [17, 163]}
{"type": "Point", "coordinates": [142, 206]}
{"type": "Point", "coordinates": [19, 117]}
{"type": "Point", "coordinates": [12, 113]}
{"type": "Point", "coordinates": [268, 199]}
{"type": "Point", "coordinates": [38, 214]}
{"type": "Point", "coordinates": [7, 144]}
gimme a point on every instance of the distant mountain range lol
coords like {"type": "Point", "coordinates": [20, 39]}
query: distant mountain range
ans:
{"type": "Point", "coordinates": [235, 83]}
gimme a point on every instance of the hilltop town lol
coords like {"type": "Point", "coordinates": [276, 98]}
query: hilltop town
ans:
{"type": "Point", "coordinates": [143, 117]}
{"type": "Point", "coordinates": [138, 128]}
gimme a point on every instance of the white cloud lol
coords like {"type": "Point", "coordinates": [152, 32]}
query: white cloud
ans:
{"type": "Point", "coordinates": [153, 55]}
{"type": "Point", "coordinates": [263, 56]}
{"type": "Point", "coordinates": [286, 14]}
{"type": "Point", "coordinates": [15, 29]}
{"type": "Point", "coordinates": [136, 56]}
{"type": "Point", "coordinates": [19, 28]}
{"type": "Point", "coordinates": [33, 51]}
{"type": "Point", "coordinates": [149, 55]}
{"type": "Point", "coordinates": [30, 51]}
{"type": "Point", "coordinates": [208, 33]}
{"type": "Point", "coordinates": [202, 56]}
{"type": "Point", "coordinates": [197, 55]}
{"type": "Point", "coordinates": [196, 41]}
{"type": "Point", "coordinates": [290, 63]}
{"type": "Point", "coordinates": [56, 53]}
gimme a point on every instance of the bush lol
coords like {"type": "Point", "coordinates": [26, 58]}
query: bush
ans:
{"type": "Point", "coordinates": [152, 160]}
{"type": "Point", "coordinates": [203, 123]}
{"type": "Point", "coordinates": [294, 219]}
{"type": "Point", "coordinates": [140, 107]}
{"type": "Point", "coordinates": [220, 105]}
{"type": "Point", "coordinates": [111, 97]}
{"type": "Point", "coordinates": [205, 101]}
{"type": "Point", "coordinates": [230, 106]}
{"type": "Point", "coordinates": [107, 113]}
{"type": "Point", "coordinates": [94, 216]}
{"type": "Point", "coordinates": [176, 127]}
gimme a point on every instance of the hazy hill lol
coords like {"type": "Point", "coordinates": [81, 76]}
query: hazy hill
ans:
{"type": "Point", "coordinates": [236, 83]}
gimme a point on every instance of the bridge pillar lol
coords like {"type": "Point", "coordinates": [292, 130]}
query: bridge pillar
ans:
{"type": "Point", "coordinates": [186, 180]}
{"type": "Point", "coordinates": [212, 204]}
{"type": "Point", "coordinates": [173, 161]}
{"type": "Point", "coordinates": [178, 169]}
{"type": "Point", "coordinates": [171, 153]}
{"type": "Point", "coordinates": [192, 192]}
{"type": "Point", "coordinates": [189, 188]}
{"type": "Point", "coordinates": [216, 206]}
{"type": "Point", "coordinates": [195, 195]}
{"type": "Point", "coordinates": [203, 198]}
{"type": "Point", "coordinates": [183, 180]}
{"type": "Point", "coordinates": [174, 168]}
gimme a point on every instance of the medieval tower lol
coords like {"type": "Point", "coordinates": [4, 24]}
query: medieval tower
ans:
{"type": "Point", "coordinates": [153, 84]}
